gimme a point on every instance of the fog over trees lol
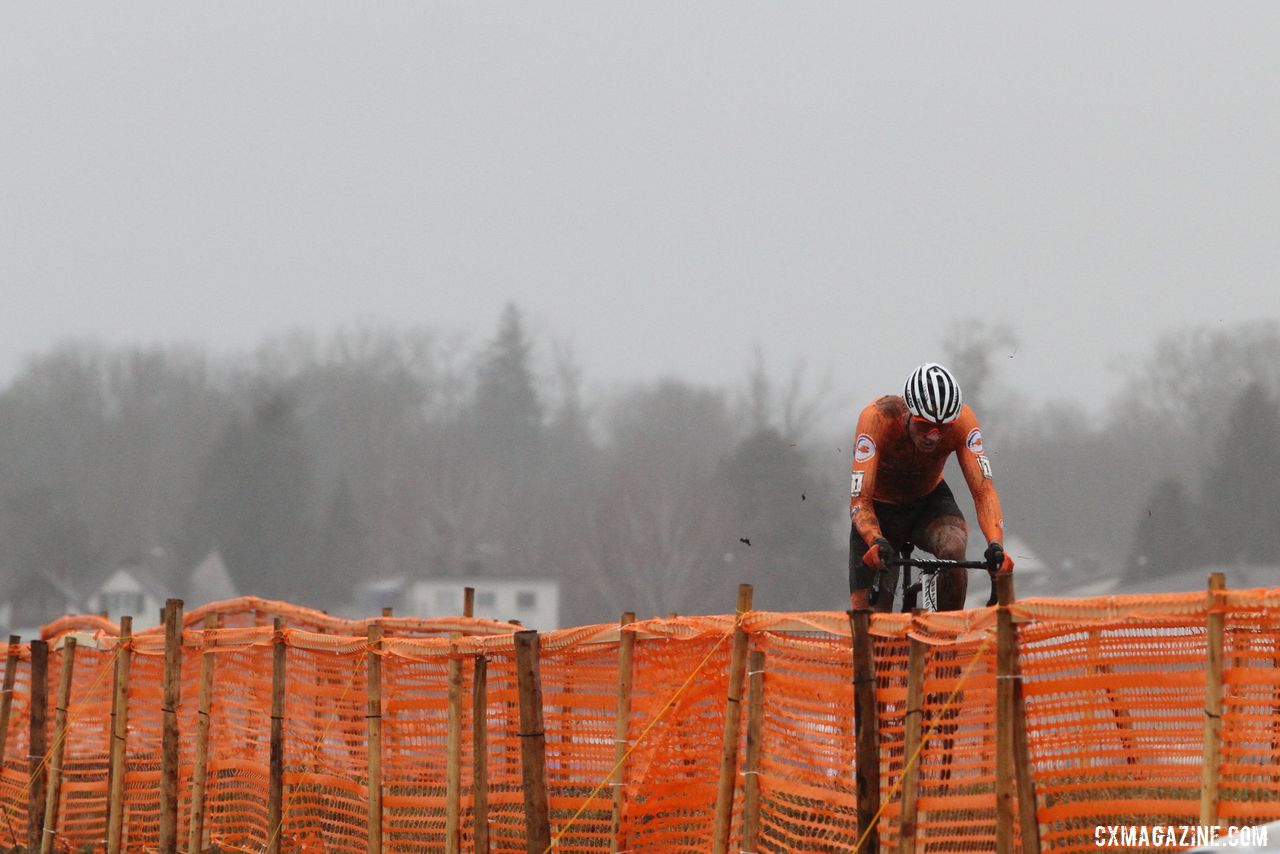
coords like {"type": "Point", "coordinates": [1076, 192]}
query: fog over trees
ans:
{"type": "Point", "coordinates": [324, 460]}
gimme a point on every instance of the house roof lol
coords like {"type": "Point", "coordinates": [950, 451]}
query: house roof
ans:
{"type": "Point", "coordinates": [11, 583]}
{"type": "Point", "coordinates": [1191, 580]}
{"type": "Point", "coordinates": [210, 581]}
{"type": "Point", "coordinates": [1197, 579]}
{"type": "Point", "coordinates": [153, 572]}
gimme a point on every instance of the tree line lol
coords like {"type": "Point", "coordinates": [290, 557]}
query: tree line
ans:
{"type": "Point", "coordinates": [319, 462]}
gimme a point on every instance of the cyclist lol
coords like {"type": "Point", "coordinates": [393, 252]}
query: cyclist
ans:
{"type": "Point", "coordinates": [897, 494]}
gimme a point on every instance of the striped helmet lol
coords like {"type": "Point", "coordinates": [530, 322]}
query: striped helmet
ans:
{"type": "Point", "coordinates": [932, 393]}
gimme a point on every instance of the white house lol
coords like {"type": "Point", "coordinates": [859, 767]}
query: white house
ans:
{"type": "Point", "coordinates": [534, 603]}
{"type": "Point", "coordinates": [136, 588]}
{"type": "Point", "coordinates": [209, 582]}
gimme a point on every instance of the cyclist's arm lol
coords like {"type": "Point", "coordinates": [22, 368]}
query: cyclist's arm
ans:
{"type": "Point", "coordinates": [977, 472]}
{"type": "Point", "coordinates": [866, 460]}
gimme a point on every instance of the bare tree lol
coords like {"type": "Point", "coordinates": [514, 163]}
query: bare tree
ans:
{"type": "Point", "coordinates": [657, 542]}
{"type": "Point", "coordinates": [661, 528]}
{"type": "Point", "coordinates": [971, 347]}
{"type": "Point", "coordinates": [791, 408]}
{"type": "Point", "coordinates": [1193, 377]}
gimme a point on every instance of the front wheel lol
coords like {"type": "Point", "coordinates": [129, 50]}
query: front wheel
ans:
{"type": "Point", "coordinates": [952, 587]}
{"type": "Point", "coordinates": [888, 584]}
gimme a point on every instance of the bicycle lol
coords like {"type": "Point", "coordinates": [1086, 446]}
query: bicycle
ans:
{"type": "Point", "coordinates": [881, 596]}
{"type": "Point", "coordinates": [884, 586]}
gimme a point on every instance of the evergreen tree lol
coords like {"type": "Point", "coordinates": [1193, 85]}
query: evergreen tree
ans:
{"type": "Point", "coordinates": [491, 457]}
{"type": "Point", "coordinates": [1168, 537]}
{"type": "Point", "coordinates": [1241, 493]}
{"type": "Point", "coordinates": [340, 563]}
{"type": "Point", "coordinates": [507, 411]}
{"type": "Point", "coordinates": [252, 503]}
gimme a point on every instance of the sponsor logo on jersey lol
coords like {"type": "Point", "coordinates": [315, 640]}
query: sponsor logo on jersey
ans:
{"type": "Point", "coordinates": [864, 448]}
{"type": "Point", "coordinates": [986, 465]}
{"type": "Point", "coordinates": [974, 441]}
{"type": "Point", "coordinates": [855, 488]}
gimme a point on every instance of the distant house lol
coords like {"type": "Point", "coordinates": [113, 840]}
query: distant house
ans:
{"type": "Point", "coordinates": [1091, 581]}
{"type": "Point", "coordinates": [373, 597]}
{"type": "Point", "coordinates": [209, 582]}
{"type": "Point", "coordinates": [137, 588]}
{"type": "Point", "coordinates": [535, 603]}
{"type": "Point", "coordinates": [30, 599]}
{"type": "Point", "coordinates": [1197, 579]}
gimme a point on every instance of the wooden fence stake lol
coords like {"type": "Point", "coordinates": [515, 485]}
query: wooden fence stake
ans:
{"type": "Point", "coordinates": [200, 771]}
{"type": "Point", "coordinates": [866, 732]}
{"type": "Point", "coordinates": [6, 698]}
{"type": "Point", "coordinates": [480, 760]}
{"type": "Point", "coordinates": [1275, 714]}
{"type": "Point", "coordinates": [453, 766]}
{"type": "Point", "coordinates": [533, 743]}
{"type": "Point", "coordinates": [1006, 658]}
{"type": "Point", "coordinates": [170, 742]}
{"type": "Point", "coordinates": [1212, 704]}
{"type": "Point", "coordinates": [373, 726]}
{"type": "Point", "coordinates": [621, 726]}
{"type": "Point", "coordinates": [275, 782]}
{"type": "Point", "coordinates": [6, 703]}
{"type": "Point", "coordinates": [119, 736]}
{"type": "Point", "coordinates": [1027, 806]}
{"type": "Point", "coordinates": [39, 742]}
{"type": "Point", "coordinates": [913, 726]}
{"type": "Point", "coordinates": [755, 729]}
{"type": "Point", "coordinates": [732, 728]}
{"type": "Point", "coordinates": [54, 790]}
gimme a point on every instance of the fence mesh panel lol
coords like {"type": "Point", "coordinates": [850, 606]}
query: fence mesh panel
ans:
{"type": "Point", "coordinates": [1113, 690]}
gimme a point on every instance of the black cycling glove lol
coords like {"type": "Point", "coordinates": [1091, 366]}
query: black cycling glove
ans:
{"type": "Point", "coordinates": [880, 554]}
{"type": "Point", "coordinates": [995, 557]}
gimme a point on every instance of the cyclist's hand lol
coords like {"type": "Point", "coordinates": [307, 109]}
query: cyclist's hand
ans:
{"type": "Point", "coordinates": [997, 560]}
{"type": "Point", "coordinates": [880, 553]}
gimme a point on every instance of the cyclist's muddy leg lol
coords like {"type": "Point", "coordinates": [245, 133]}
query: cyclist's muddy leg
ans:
{"type": "Point", "coordinates": [945, 537]}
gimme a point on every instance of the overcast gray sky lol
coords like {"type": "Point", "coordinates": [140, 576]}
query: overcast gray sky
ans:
{"type": "Point", "coordinates": [660, 185]}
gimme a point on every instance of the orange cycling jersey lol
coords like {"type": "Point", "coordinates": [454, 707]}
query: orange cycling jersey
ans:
{"type": "Point", "coordinates": [889, 468]}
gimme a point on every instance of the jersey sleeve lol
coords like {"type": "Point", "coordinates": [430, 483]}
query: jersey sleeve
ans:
{"type": "Point", "coordinates": [976, 467]}
{"type": "Point", "coordinates": [866, 461]}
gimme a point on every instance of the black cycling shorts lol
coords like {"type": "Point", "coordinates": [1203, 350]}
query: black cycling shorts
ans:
{"type": "Point", "coordinates": [901, 524]}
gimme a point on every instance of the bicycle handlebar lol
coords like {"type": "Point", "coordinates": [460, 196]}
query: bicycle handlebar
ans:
{"type": "Point", "coordinates": [933, 565]}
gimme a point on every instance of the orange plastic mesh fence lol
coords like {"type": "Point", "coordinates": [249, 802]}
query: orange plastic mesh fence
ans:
{"type": "Point", "coordinates": [15, 772]}
{"type": "Point", "coordinates": [1114, 693]}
